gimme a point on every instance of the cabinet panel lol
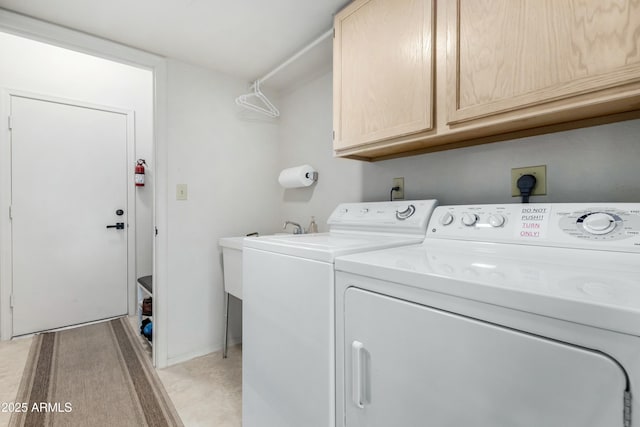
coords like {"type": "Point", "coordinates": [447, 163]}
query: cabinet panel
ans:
{"type": "Point", "coordinates": [383, 73]}
{"type": "Point", "coordinates": [507, 55]}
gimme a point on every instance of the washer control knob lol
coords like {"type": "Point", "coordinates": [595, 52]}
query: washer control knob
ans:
{"type": "Point", "coordinates": [469, 219]}
{"type": "Point", "coordinates": [446, 219]}
{"type": "Point", "coordinates": [599, 223]}
{"type": "Point", "coordinates": [496, 220]}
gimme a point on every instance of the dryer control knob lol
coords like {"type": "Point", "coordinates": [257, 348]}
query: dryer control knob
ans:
{"type": "Point", "coordinates": [446, 219]}
{"type": "Point", "coordinates": [469, 219]}
{"type": "Point", "coordinates": [599, 223]}
{"type": "Point", "coordinates": [402, 215]}
{"type": "Point", "coordinates": [496, 220]}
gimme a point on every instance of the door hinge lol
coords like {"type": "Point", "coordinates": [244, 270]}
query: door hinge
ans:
{"type": "Point", "coordinates": [11, 300]}
{"type": "Point", "coordinates": [333, 135]}
{"type": "Point", "coordinates": [627, 409]}
{"type": "Point", "coordinates": [9, 122]}
{"type": "Point", "coordinates": [156, 230]}
{"type": "Point", "coordinates": [334, 32]}
{"type": "Point", "coordinates": [10, 213]}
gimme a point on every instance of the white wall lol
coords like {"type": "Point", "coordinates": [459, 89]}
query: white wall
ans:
{"type": "Point", "coordinates": [583, 165]}
{"type": "Point", "coordinates": [592, 164]}
{"type": "Point", "coordinates": [228, 158]}
{"type": "Point", "coordinates": [44, 69]}
{"type": "Point", "coordinates": [305, 137]}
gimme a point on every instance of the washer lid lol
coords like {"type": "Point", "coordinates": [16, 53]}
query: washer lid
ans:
{"type": "Point", "coordinates": [596, 288]}
{"type": "Point", "coordinates": [326, 246]}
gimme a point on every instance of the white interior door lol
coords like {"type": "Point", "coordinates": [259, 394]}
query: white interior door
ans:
{"type": "Point", "coordinates": [410, 365]}
{"type": "Point", "coordinates": [69, 177]}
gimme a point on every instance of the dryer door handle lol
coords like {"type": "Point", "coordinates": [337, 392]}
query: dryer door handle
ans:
{"type": "Point", "coordinates": [359, 373]}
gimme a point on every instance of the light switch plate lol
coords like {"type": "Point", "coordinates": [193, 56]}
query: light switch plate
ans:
{"type": "Point", "coordinates": [181, 192]}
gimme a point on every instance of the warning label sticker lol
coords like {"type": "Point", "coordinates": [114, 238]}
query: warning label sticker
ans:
{"type": "Point", "coordinates": [532, 222]}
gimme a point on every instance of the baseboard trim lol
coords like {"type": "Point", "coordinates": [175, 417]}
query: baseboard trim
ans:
{"type": "Point", "coordinates": [202, 352]}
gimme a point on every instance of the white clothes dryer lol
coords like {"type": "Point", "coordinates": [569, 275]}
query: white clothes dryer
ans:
{"type": "Point", "coordinates": [506, 316]}
{"type": "Point", "coordinates": [288, 353]}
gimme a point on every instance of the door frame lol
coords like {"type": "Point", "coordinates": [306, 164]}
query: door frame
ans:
{"type": "Point", "coordinates": [6, 238]}
{"type": "Point", "coordinates": [45, 32]}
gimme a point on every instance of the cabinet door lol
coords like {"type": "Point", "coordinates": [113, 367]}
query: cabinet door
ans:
{"type": "Point", "coordinates": [510, 55]}
{"type": "Point", "coordinates": [383, 70]}
{"type": "Point", "coordinates": [410, 365]}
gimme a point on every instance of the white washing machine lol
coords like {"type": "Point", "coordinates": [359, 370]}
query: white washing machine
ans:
{"type": "Point", "coordinates": [506, 316]}
{"type": "Point", "coordinates": [288, 375]}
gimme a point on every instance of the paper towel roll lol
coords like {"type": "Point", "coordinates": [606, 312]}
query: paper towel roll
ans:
{"type": "Point", "coordinates": [300, 176]}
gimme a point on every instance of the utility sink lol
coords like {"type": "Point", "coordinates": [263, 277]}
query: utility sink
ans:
{"type": "Point", "coordinates": [232, 264]}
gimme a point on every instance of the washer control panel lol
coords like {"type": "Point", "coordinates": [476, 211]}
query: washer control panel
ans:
{"type": "Point", "coordinates": [582, 225]}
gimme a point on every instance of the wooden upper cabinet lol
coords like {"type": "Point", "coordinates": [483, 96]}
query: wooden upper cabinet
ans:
{"type": "Point", "coordinates": [414, 76]}
{"type": "Point", "coordinates": [511, 55]}
{"type": "Point", "coordinates": [383, 70]}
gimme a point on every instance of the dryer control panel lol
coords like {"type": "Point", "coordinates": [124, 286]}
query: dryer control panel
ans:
{"type": "Point", "coordinates": [397, 217]}
{"type": "Point", "coordinates": [574, 225]}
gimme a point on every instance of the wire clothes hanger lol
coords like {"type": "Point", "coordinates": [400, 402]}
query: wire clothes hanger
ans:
{"type": "Point", "coordinates": [256, 100]}
{"type": "Point", "coordinates": [266, 108]}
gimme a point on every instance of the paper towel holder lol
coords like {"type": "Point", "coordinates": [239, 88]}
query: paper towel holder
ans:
{"type": "Point", "coordinates": [298, 176]}
{"type": "Point", "coordinates": [312, 175]}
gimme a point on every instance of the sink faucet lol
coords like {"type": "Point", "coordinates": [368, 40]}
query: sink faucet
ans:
{"type": "Point", "coordinates": [297, 230]}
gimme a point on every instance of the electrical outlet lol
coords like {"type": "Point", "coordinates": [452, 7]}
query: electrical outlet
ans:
{"type": "Point", "coordinates": [540, 172]}
{"type": "Point", "coordinates": [181, 191]}
{"type": "Point", "coordinates": [398, 195]}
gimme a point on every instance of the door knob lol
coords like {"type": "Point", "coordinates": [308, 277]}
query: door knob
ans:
{"type": "Point", "coordinates": [117, 226]}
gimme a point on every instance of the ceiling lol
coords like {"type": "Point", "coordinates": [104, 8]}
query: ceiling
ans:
{"type": "Point", "coordinates": [245, 38]}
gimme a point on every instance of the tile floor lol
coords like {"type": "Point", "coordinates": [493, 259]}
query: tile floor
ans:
{"type": "Point", "coordinates": [13, 356]}
{"type": "Point", "coordinates": [206, 391]}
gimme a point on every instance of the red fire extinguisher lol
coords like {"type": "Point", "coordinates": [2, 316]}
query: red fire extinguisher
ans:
{"type": "Point", "coordinates": [140, 173]}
